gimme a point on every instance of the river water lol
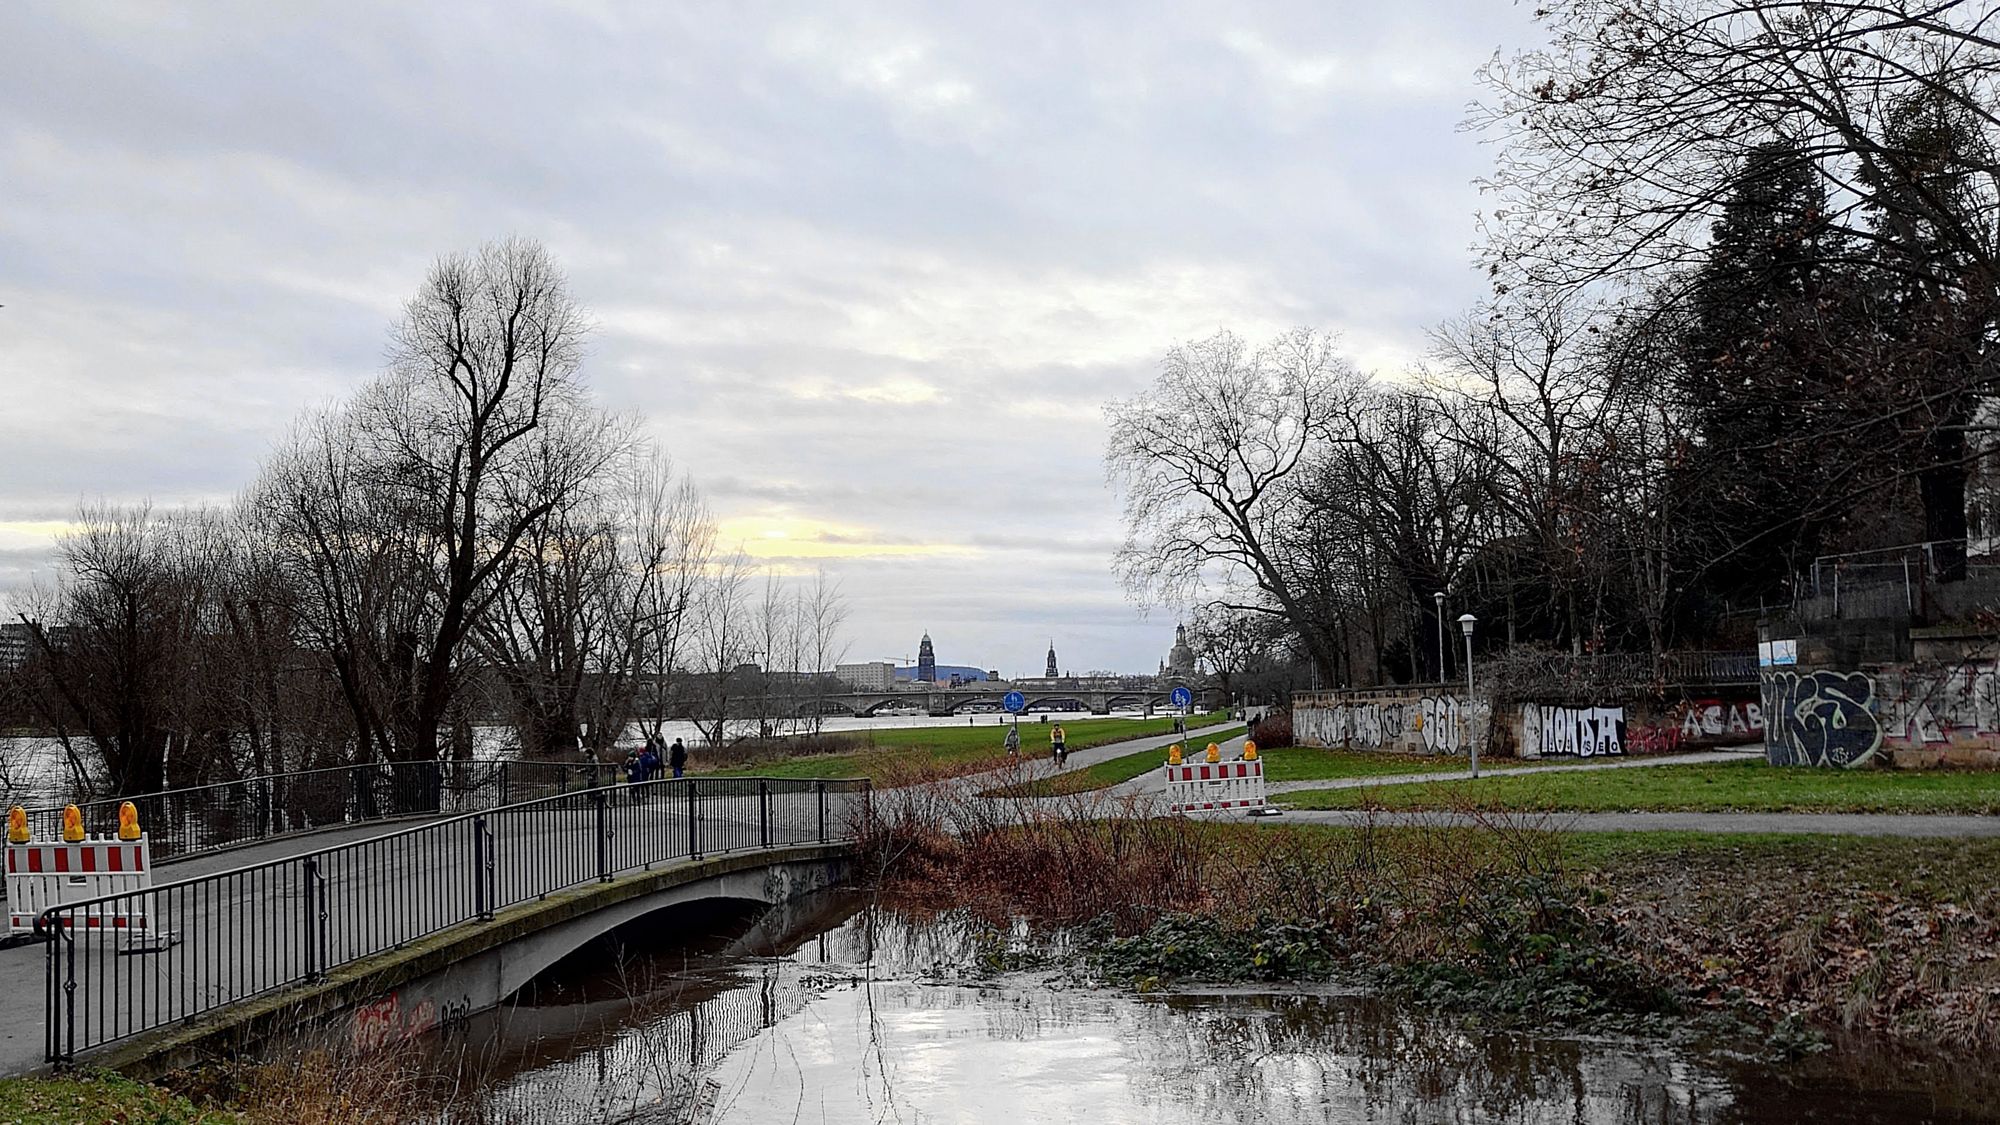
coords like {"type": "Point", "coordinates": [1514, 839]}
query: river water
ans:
{"type": "Point", "coordinates": [835, 1012]}
{"type": "Point", "coordinates": [34, 771]}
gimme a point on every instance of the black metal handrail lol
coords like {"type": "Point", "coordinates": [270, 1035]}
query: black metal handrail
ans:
{"type": "Point", "coordinates": [218, 939]}
{"type": "Point", "coordinates": [221, 814]}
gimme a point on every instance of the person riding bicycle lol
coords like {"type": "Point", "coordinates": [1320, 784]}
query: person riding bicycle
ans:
{"type": "Point", "coordinates": [1058, 747]}
{"type": "Point", "coordinates": [1013, 742]}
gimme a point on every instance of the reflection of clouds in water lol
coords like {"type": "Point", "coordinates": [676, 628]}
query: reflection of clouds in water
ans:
{"type": "Point", "coordinates": [945, 1053]}
{"type": "Point", "coordinates": [806, 1037]}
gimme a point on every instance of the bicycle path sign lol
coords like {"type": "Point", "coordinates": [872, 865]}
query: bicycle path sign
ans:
{"type": "Point", "coordinates": [1182, 697]}
{"type": "Point", "coordinates": [1014, 701]}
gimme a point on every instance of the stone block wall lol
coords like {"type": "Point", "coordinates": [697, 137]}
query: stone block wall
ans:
{"type": "Point", "coordinates": [1911, 715]}
{"type": "Point", "coordinates": [1434, 720]}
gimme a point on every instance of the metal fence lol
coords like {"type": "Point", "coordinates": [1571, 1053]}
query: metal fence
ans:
{"type": "Point", "coordinates": [216, 940]}
{"type": "Point", "coordinates": [199, 818]}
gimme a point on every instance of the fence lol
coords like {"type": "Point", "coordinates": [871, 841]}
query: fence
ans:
{"type": "Point", "coordinates": [199, 818]}
{"type": "Point", "coordinates": [241, 933]}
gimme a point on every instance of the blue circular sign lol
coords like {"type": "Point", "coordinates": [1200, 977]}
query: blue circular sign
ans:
{"type": "Point", "coordinates": [1014, 701]}
{"type": "Point", "coordinates": [1182, 697]}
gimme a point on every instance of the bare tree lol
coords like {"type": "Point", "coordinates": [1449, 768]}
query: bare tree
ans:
{"type": "Point", "coordinates": [1207, 459]}
{"type": "Point", "coordinates": [401, 513]}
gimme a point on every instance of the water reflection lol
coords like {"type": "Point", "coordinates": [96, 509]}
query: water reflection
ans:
{"type": "Point", "coordinates": [834, 1013]}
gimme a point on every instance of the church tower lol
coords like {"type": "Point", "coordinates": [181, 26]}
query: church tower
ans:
{"type": "Point", "coordinates": [1051, 673]}
{"type": "Point", "coordinates": [1180, 661]}
{"type": "Point", "coordinates": [926, 662]}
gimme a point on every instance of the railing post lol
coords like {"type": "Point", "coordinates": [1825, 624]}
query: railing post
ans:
{"type": "Point", "coordinates": [764, 814]}
{"type": "Point", "coordinates": [694, 821]}
{"type": "Point", "coordinates": [821, 787]}
{"type": "Point", "coordinates": [308, 895]}
{"type": "Point", "coordinates": [481, 905]}
{"type": "Point", "coordinates": [503, 783]}
{"type": "Point", "coordinates": [597, 798]}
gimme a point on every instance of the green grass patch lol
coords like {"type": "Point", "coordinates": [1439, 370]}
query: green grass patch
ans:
{"type": "Point", "coordinates": [961, 746]}
{"type": "Point", "coordinates": [1750, 786]}
{"type": "Point", "coordinates": [99, 1098]}
{"type": "Point", "coordinates": [1308, 763]}
{"type": "Point", "coordinates": [1101, 775]}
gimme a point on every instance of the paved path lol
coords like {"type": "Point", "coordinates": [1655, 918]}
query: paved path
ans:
{"type": "Point", "coordinates": [1924, 825]}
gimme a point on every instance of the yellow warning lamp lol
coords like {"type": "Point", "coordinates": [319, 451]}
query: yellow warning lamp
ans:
{"type": "Point", "coordinates": [72, 824]}
{"type": "Point", "coordinates": [1174, 755]}
{"type": "Point", "coordinates": [128, 821]}
{"type": "Point", "coordinates": [17, 825]}
{"type": "Point", "coordinates": [1249, 751]}
{"type": "Point", "coordinates": [1214, 752]}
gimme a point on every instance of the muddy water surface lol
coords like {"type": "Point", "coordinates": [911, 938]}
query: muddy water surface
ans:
{"type": "Point", "coordinates": [835, 1013]}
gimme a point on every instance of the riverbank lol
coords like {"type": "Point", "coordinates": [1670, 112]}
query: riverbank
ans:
{"type": "Point", "coordinates": [888, 756]}
{"type": "Point", "coordinates": [1770, 940]}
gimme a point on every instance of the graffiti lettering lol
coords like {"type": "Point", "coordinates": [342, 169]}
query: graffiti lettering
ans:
{"type": "Point", "coordinates": [1584, 732]}
{"type": "Point", "coordinates": [1709, 718]}
{"type": "Point", "coordinates": [1443, 725]}
{"type": "Point", "coordinates": [1820, 719]}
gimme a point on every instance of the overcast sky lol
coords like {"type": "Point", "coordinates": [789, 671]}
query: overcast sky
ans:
{"type": "Point", "coordinates": [868, 270]}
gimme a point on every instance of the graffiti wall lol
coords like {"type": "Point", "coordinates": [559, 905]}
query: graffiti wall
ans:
{"type": "Point", "coordinates": [1551, 731]}
{"type": "Point", "coordinates": [1411, 722]}
{"type": "Point", "coordinates": [1910, 715]}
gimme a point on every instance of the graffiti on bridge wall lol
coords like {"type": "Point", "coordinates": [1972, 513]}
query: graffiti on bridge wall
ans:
{"type": "Point", "coordinates": [1584, 732]}
{"type": "Point", "coordinates": [1820, 719]}
{"type": "Point", "coordinates": [1835, 718]}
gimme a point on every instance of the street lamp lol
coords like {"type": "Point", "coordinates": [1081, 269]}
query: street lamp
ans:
{"type": "Point", "coordinates": [1465, 623]}
{"type": "Point", "coordinates": [1439, 597]}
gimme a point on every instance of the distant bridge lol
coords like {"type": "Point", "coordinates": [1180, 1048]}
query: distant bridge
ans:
{"type": "Point", "coordinates": [1098, 695]}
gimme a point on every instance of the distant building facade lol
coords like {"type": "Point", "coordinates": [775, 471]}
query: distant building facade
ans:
{"type": "Point", "coordinates": [874, 675]}
{"type": "Point", "coordinates": [926, 662]}
{"type": "Point", "coordinates": [16, 639]}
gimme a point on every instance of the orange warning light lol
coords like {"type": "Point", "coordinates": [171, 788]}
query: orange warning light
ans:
{"type": "Point", "coordinates": [128, 821]}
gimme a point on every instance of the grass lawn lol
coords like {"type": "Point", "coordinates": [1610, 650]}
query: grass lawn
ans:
{"type": "Point", "coordinates": [93, 1098]}
{"type": "Point", "coordinates": [1750, 786]}
{"type": "Point", "coordinates": [1307, 763]}
{"type": "Point", "coordinates": [1105, 774]}
{"type": "Point", "coordinates": [959, 746]}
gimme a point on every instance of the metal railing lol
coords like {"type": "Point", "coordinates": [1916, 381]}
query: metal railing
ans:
{"type": "Point", "coordinates": [216, 940]}
{"type": "Point", "coordinates": [200, 818]}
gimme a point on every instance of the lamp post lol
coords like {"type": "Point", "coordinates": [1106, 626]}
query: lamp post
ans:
{"type": "Point", "coordinates": [1465, 623]}
{"type": "Point", "coordinates": [1439, 598]}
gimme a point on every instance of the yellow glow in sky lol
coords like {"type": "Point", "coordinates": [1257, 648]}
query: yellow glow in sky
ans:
{"type": "Point", "coordinates": [782, 536]}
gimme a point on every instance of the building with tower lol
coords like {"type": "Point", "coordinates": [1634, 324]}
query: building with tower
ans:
{"type": "Point", "coordinates": [926, 661]}
{"type": "Point", "coordinates": [1180, 660]}
{"type": "Point", "coordinates": [1051, 673]}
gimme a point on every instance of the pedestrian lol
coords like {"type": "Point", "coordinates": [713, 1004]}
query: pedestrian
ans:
{"type": "Point", "coordinates": [1058, 746]}
{"type": "Point", "coordinates": [635, 775]}
{"type": "Point", "coordinates": [678, 757]}
{"type": "Point", "coordinates": [1013, 742]}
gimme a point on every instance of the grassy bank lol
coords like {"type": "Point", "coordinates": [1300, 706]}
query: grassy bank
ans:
{"type": "Point", "coordinates": [1105, 774]}
{"type": "Point", "coordinates": [89, 1099]}
{"type": "Point", "coordinates": [1749, 786]}
{"type": "Point", "coordinates": [948, 750]}
{"type": "Point", "coordinates": [1781, 938]}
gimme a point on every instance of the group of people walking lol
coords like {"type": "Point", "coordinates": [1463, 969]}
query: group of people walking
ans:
{"type": "Point", "coordinates": [643, 764]}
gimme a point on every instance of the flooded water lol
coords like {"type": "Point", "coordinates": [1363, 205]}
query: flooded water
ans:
{"type": "Point", "coordinates": [834, 1013]}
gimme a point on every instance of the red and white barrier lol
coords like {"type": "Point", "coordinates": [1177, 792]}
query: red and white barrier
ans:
{"type": "Point", "coordinates": [1201, 786]}
{"type": "Point", "coordinates": [42, 874]}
